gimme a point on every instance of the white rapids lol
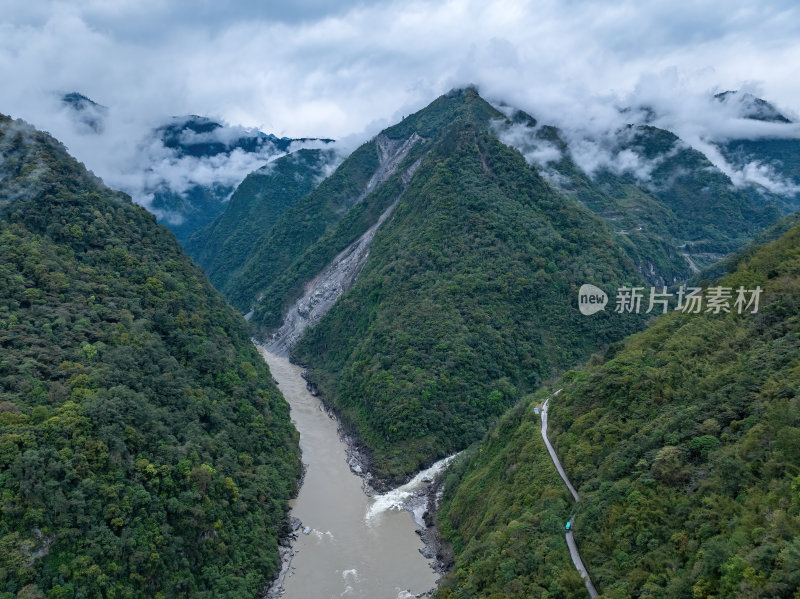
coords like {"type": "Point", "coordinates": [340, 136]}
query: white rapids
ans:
{"type": "Point", "coordinates": [402, 497]}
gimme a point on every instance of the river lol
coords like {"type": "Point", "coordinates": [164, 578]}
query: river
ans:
{"type": "Point", "coordinates": [351, 545]}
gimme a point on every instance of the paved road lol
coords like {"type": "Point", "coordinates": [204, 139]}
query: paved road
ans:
{"type": "Point", "coordinates": [573, 547]}
{"type": "Point", "coordinates": [552, 451]}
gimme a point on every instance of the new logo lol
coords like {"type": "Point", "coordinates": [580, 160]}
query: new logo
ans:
{"type": "Point", "coordinates": [591, 299]}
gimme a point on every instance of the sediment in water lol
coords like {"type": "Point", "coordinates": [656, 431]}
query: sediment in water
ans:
{"type": "Point", "coordinates": [417, 496]}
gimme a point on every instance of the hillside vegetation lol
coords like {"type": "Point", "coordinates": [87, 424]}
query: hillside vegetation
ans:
{"type": "Point", "coordinates": [466, 300]}
{"type": "Point", "coordinates": [144, 450]}
{"type": "Point", "coordinates": [223, 247]}
{"type": "Point", "coordinates": [684, 444]}
{"type": "Point", "coordinates": [662, 198]}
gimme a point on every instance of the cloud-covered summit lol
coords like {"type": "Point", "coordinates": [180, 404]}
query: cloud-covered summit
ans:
{"type": "Point", "coordinates": [319, 68]}
{"type": "Point", "coordinates": [719, 125]}
{"type": "Point", "coordinates": [749, 106]}
{"type": "Point", "coordinates": [183, 169]}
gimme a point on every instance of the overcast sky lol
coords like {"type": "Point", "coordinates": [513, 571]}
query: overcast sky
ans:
{"type": "Point", "coordinates": [344, 69]}
{"type": "Point", "coordinates": [336, 67]}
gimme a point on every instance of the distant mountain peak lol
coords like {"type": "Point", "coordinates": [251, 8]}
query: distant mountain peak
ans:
{"type": "Point", "coordinates": [752, 107]}
{"type": "Point", "coordinates": [80, 102]}
{"type": "Point", "coordinates": [88, 114]}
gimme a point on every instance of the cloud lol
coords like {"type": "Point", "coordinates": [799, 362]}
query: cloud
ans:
{"type": "Point", "coordinates": [763, 175]}
{"type": "Point", "coordinates": [131, 155]}
{"type": "Point", "coordinates": [609, 149]}
{"type": "Point", "coordinates": [347, 69]}
{"type": "Point", "coordinates": [530, 141]}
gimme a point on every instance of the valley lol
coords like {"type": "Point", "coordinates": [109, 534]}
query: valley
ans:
{"type": "Point", "coordinates": [425, 407]}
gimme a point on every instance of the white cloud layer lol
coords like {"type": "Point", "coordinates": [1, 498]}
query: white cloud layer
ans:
{"type": "Point", "coordinates": [336, 69]}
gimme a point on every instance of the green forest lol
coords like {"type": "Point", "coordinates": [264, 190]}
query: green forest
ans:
{"type": "Point", "coordinates": [144, 449]}
{"type": "Point", "coordinates": [228, 243]}
{"type": "Point", "coordinates": [297, 228]}
{"type": "Point", "coordinates": [465, 303]}
{"type": "Point", "coordinates": [463, 306]}
{"type": "Point", "coordinates": [684, 444]}
{"type": "Point", "coordinates": [681, 204]}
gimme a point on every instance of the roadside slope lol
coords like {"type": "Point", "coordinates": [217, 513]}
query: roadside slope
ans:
{"type": "Point", "coordinates": [683, 446]}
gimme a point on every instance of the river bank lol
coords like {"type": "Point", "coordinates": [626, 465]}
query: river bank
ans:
{"type": "Point", "coordinates": [354, 539]}
{"type": "Point", "coordinates": [421, 495]}
{"type": "Point", "coordinates": [423, 503]}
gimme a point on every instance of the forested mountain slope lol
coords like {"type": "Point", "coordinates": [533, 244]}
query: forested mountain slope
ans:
{"type": "Point", "coordinates": [464, 303]}
{"type": "Point", "coordinates": [464, 300]}
{"type": "Point", "coordinates": [668, 205]}
{"type": "Point", "coordinates": [225, 245]}
{"type": "Point", "coordinates": [772, 163]}
{"type": "Point", "coordinates": [144, 450]}
{"type": "Point", "coordinates": [776, 162]}
{"type": "Point", "coordinates": [200, 143]}
{"type": "Point", "coordinates": [684, 443]}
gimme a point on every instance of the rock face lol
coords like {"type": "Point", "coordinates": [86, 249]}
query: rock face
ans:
{"type": "Point", "coordinates": [391, 152]}
{"type": "Point", "coordinates": [336, 278]}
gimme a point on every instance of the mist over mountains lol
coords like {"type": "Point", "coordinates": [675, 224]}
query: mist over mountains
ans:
{"type": "Point", "coordinates": [184, 169]}
{"type": "Point", "coordinates": [320, 268]}
{"type": "Point", "coordinates": [426, 280]}
{"type": "Point", "coordinates": [171, 196]}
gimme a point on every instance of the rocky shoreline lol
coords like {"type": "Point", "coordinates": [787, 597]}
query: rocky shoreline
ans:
{"type": "Point", "coordinates": [435, 548]}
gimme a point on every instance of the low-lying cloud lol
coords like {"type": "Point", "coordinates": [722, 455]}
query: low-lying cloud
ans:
{"type": "Point", "coordinates": [764, 175]}
{"type": "Point", "coordinates": [612, 150]}
{"type": "Point", "coordinates": [599, 131]}
{"type": "Point", "coordinates": [348, 69]}
{"type": "Point", "coordinates": [129, 153]}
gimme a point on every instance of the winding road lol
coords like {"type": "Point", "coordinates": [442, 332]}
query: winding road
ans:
{"type": "Point", "coordinates": [573, 546]}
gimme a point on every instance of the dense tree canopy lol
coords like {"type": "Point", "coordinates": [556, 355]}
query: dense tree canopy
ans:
{"type": "Point", "coordinates": [144, 450]}
{"type": "Point", "coordinates": [684, 444]}
{"type": "Point", "coordinates": [466, 301]}
{"type": "Point", "coordinates": [225, 246]}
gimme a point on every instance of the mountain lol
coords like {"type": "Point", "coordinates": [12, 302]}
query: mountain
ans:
{"type": "Point", "coordinates": [277, 260]}
{"type": "Point", "coordinates": [771, 162]}
{"type": "Point", "coordinates": [88, 115]}
{"type": "Point", "coordinates": [456, 260]}
{"type": "Point", "coordinates": [671, 209]}
{"type": "Point", "coordinates": [202, 137]}
{"type": "Point", "coordinates": [749, 106]}
{"type": "Point", "coordinates": [669, 206]}
{"type": "Point", "coordinates": [683, 443]}
{"type": "Point", "coordinates": [185, 169]}
{"type": "Point", "coordinates": [224, 246]}
{"type": "Point", "coordinates": [191, 200]}
{"type": "Point", "coordinates": [144, 449]}
{"type": "Point", "coordinates": [748, 138]}
{"type": "Point", "coordinates": [426, 283]}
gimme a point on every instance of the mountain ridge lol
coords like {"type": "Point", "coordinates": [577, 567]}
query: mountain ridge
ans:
{"type": "Point", "coordinates": [664, 231]}
{"type": "Point", "coordinates": [144, 449]}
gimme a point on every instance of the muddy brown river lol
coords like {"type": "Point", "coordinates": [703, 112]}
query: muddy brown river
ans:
{"type": "Point", "coordinates": [351, 545]}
